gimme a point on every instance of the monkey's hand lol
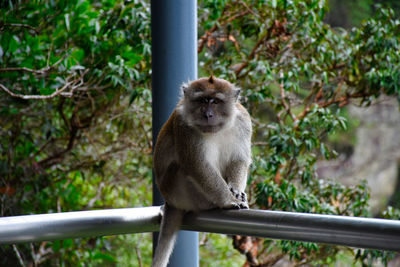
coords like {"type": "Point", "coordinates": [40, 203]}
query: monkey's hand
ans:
{"type": "Point", "coordinates": [238, 195]}
{"type": "Point", "coordinates": [241, 196]}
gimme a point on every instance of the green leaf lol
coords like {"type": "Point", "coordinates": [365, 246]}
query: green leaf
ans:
{"type": "Point", "coordinates": [14, 44]}
{"type": "Point", "coordinates": [342, 122]}
{"type": "Point", "coordinates": [104, 256]}
{"type": "Point", "coordinates": [78, 55]}
{"type": "Point", "coordinates": [67, 243]}
{"type": "Point", "coordinates": [133, 96]}
{"type": "Point", "coordinates": [46, 91]}
{"type": "Point", "coordinates": [324, 151]}
{"type": "Point", "coordinates": [66, 18]}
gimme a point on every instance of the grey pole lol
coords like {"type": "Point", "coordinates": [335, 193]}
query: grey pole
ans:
{"type": "Point", "coordinates": [174, 61]}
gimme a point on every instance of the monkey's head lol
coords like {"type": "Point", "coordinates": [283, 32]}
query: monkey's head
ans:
{"type": "Point", "coordinates": [209, 103]}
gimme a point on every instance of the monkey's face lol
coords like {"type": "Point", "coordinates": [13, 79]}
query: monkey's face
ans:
{"type": "Point", "coordinates": [209, 103]}
{"type": "Point", "coordinates": [209, 112]}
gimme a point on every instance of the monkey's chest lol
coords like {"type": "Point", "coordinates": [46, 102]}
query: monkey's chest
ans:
{"type": "Point", "coordinates": [220, 149]}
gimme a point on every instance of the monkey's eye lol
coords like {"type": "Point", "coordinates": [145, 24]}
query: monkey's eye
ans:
{"type": "Point", "coordinates": [216, 101]}
{"type": "Point", "coordinates": [203, 100]}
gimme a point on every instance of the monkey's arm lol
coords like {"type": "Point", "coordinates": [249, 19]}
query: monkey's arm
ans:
{"type": "Point", "coordinates": [236, 174]}
{"type": "Point", "coordinates": [236, 171]}
{"type": "Point", "coordinates": [164, 153]}
{"type": "Point", "coordinates": [236, 177]}
{"type": "Point", "coordinates": [204, 175]}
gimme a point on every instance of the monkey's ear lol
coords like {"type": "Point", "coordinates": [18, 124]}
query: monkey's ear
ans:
{"type": "Point", "coordinates": [184, 88]}
{"type": "Point", "coordinates": [211, 79]}
{"type": "Point", "coordinates": [236, 93]}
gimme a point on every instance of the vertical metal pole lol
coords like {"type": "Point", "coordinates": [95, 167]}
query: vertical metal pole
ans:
{"type": "Point", "coordinates": [174, 61]}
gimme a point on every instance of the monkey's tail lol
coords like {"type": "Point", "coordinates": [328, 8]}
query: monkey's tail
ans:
{"type": "Point", "coordinates": [170, 223]}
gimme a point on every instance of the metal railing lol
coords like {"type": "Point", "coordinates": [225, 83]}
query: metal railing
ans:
{"type": "Point", "coordinates": [340, 230]}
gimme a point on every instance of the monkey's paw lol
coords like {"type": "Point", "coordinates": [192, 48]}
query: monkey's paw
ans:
{"type": "Point", "coordinates": [239, 195]}
{"type": "Point", "coordinates": [244, 205]}
{"type": "Point", "coordinates": [236, 206]}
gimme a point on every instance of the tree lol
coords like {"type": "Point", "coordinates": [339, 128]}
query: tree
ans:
{"type": "Point", "coordinates": [75, 116]}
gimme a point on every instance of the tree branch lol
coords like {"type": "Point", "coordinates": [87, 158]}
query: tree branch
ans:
{"type": "Point", "coordinates": [60, 91]}
{"type": "Point", "coordinates": [342, 101]}
{"type": "Point", "coordinates": [56, 93]}
{"type": "Point", "coordinates": [57, 156]}
{"type": "Point", "coordinates": [285, 104]}
{"type": "Point", "coordinates": [207, 34]}
{"type": "Point", "coordinates": [253, 51]}
{"type": "Point", "coordinates": [249, 9]}
{"type": "Point", "coordinates": [277, 28]}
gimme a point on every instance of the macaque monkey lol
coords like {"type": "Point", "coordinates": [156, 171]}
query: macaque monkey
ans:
{"type": "Point", "coordinates": [202, 156]}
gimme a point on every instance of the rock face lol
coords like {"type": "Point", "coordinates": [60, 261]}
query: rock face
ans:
{"type": "Point", "coordinates": [376, 155]}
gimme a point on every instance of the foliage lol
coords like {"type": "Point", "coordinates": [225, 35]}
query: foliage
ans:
{"type": "Point", "coordinates": [348, 14]}
{"type": "Point", "coordinates": [216, 250]}
{"type": "Point", "coordinates": [76, 116]}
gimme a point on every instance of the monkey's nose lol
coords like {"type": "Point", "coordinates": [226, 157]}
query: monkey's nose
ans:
{"type": "Point", "coordinates": [208, 115]}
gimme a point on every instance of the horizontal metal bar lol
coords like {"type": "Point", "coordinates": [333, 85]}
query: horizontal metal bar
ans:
{"type": "Point", "coordinates": [340, 230]}
{"type": "Point", "coordinates": [56, 226]}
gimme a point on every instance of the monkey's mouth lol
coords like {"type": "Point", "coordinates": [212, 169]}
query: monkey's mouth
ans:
{"type": "Point", "coordinates": [210, 128]}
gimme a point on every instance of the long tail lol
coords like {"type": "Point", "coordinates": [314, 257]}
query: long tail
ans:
{"type": "Point", "coordinates": [171, 220]}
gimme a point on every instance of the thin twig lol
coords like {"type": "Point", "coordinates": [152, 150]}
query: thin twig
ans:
{"type": "Point", "coordinates": [204, 38]}
{"type": "Point", "coordinates": [148, 141]}
{"type": "Point", "coordinates": [241, 14]}
{"type": "Point", "coordinates": [20, 260]}
{"type": "Point", "coordinates": [25, 69]}
{"type": "Point", "coordinates": [48, 55]}
{"type": "Point", "coordinates": [19, 25]}
{"type": "Point", "coordinates": [249, 9]}
{"type": "Point", "coordinates": [139, 255]}
{"type": "Point", "coordinates": [34, 255]}
{"type": "Point", "coordinates": [260, 143]}
{"type": "Point", "coordinates": [41, 71]}
{"type": "Point", "coordinates": [341, 101]}
{"type": "Point", "coordinates": [284, 103]}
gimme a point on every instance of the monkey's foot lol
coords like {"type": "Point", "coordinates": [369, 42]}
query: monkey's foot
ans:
{"type": "Point", "coordinates": [237, 206]}
{"type": "Point", "coordinates": [244, 205]}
